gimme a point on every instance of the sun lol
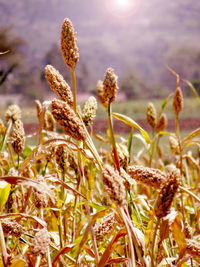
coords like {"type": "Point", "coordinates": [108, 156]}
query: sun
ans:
{"type": "Point", "coordinates": [123, 3]}
{"type": "Point", "coordinates": [122, 8]}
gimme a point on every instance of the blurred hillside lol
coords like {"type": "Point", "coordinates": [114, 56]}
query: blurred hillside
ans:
{"type": "Point", "coordinates": [137, 47]}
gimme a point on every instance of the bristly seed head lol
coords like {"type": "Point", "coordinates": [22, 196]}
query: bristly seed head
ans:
{"type": "Point", "coordinates": [167, 193]}
{"type": "Point", "coordinates": [13, 112]}
{"type": "Point", "coordinates": [18, 137]}
{"type": "Point", "coordinates": [100, 94]}
{"type": "Point", "coordinates": [59, 85]}
{"type": "Point", "coordinates": [89, 111]}
{"type": "Point", "coordinates": [152, 177]}
{"type": "Point", "coordinates": [68, 44]}
{"type": "Point", "coordinates": [67, 118]}
{"type": "Point", "coordinates": [173, 143]}
{"type": "Point", "coordinates": [40, 242]}
{"type": "Point", "coordinates": [151, 115]}
{"type": "Point", "coordinates": [11, 228]}
{"type": "Point", "coordinates": [162, 123]}
{"type": "Point", "coordinates": [104, 226]}
{"type": "Point", "coordinates": [113, 185]}
{"type": "Point", "coordinates": [110, 86]}
{"type": "Point", "coordinates": [178, 101]}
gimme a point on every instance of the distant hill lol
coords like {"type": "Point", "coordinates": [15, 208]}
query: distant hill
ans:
{"type": "Point", "coordinates": [141, 42]}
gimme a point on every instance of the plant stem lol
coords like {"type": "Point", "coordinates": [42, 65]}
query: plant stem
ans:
{"type": "Point", "coordinates": [116, 159]}
{"type": "Point", "coordinates": [132, 253]}
{"type": "Point", "coordinates": [74, 89]}
{"type": "Point", "coordinates": [38, 261]}
{"type": "Point", "coordinates": [3, 247]}
{"type": "Point", "coordinates": [153, 244]}
{"type": "Point", "coordinates": [5, 137]}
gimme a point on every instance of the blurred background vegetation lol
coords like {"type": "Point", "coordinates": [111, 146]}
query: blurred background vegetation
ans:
{"type": "Point", "coordinates": [138, 47]}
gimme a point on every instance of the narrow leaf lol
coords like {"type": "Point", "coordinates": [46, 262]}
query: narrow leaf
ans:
{"type": "Point", "coordinates": [4, 193]}
{"type": "Point", "coordinates": [62, 251]}
{"type": "Point", "coordinates": [192, 89]}
{"type": "Point", "coordinates": [191, 135]}
{"type": "Point", "coordinates": [133, 124]}
{"type": "Point", "coordinates": [111, 247]}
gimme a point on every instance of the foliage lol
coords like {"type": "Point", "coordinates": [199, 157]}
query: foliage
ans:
{"type": "Point", "coordinates": [64, 202]}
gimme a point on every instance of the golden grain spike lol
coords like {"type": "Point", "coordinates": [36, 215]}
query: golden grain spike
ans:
{"type": "Point", "coordinates": [162, 123]}
{"type": "Point", "coordinates": [68, 44]}
{"type": "Point", "coordinates": [40, 242]}
{"type": "Point", "coordinates": [49, 122]}
{"type": "Point", "coordinates": [178, 101]}
{"type": "Point", "coordinates": [13, 112]}
{"type": "Point", "coordinates": [11, 228]}
{"type": "Point", "coordinates": [150, 176]}
{"type": "Point", "coordinates": [18, 137]}
{"type": "Point", "coordinates": [167, 193]}
{"type": "Point", "coordinates": [100, 94]}
{"type": "Point", "coordinates": [58, 84]}
{"type": "Point", "coordinates": [173, 143]}
{"type": "Point", "coordinates": [62, 157]}
{"type": "Point", "coordinates": [187, 229]}
{"type": "Point", "coordinates": [38, 106]}
{"type": "Point", "coordinates": [104, 226]}
{"type": "Point", "coordinates": [113, 185]}
{"type": "Point", "coordinates": [2, 127]}
{"type": "Point", "coordinates": [89, 111]}
{"type": "Point", "coordinates": [69, 121]}
{"type": "Point", "coordinates": [151, 115]}
{"type": "Point", "coordinates": [110, 86]}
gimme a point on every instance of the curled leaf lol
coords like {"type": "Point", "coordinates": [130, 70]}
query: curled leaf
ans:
{"type": "Point", "coordinates": [133, 124]}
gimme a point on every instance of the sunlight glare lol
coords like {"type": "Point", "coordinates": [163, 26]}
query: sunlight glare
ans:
{"type": "Point", "coordinates": [122, 8]}
{"type": "Point", "coordinates": [123, 3]}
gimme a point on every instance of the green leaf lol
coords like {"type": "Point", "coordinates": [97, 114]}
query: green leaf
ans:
{"type": "Point", "coordinates": [192, 89]}
{"type": "Point", "coordinates": [133, 124]}
{"type": "Point", "coordinates": [4, 193]}
{"type": "Point", "coordinates": [130, 140]}
{"type": "Point", "coordinates": [27, 151]}
{"type": "Point", "coordinates": [191, 135]}
{"type": "Point", "coordinates": [164, 103]}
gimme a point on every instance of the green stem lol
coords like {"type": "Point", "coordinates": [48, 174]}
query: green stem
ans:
{"type": "Point", "coordinates": [74, 89]}
{"type": "Point", "coordinates": [181, 160]}
{"type": "Point", "coordinates": [5, 137]}
{"type": "Point", "coordinates": [116, 159]}
{"type": "Point", "coordinates": [153, 244]}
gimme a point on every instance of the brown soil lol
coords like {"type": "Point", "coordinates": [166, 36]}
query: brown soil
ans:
{"type": "Point", "coordinates": [100, 125]}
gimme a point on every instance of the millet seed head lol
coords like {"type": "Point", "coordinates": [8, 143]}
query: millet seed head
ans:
{"type": "Point", "coordinates": [69, 121]}
{"type": "Point", "coordinates": [110, 86]}
{"type": "Point", "coordinates": [100, 94]}
{"type": "Point", "coordinates": [178, 101]}
{"type": "Point", "coordinates": [151, 115]}
{"type": "Point", "coordinates": [105, 226]}
{"type": "Point", "coordinates": [68, 44]}
{"type": "Point", "coordinates": [18, 137]}
{"type": "Point", "coordinates": [11, 228]}
{"type": "Point", "coordinates": [40, 242]}
{"type": "Point", "coordinates": [59, 85]}
{"type": "Point", "coordinates": [113, 185]}
{"type": "Point", "coordinates": [13, 112]}
{"type": "Point", "coordinates": [62, 157]}
{"type": "Point", "coordinates": [162, 123]}
{"type": "Point", "coordinates": [149, 176]}
{"type": "Point", "coordinates": [166, 195]}
{"type": "Point", "coordinates": [173, 143]}
{"type": "Point", "coordinates": [89, 111]}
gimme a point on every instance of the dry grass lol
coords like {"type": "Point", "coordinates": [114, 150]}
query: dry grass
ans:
{"type": "Point", "coordinates": [66, 203]}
